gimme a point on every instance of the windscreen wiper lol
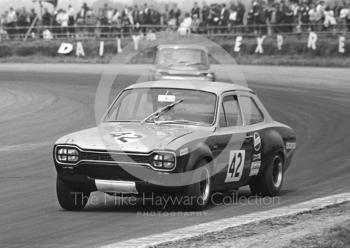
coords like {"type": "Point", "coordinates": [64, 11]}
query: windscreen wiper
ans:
{"type": "Point", "coordinates": [164, 109]}
{"type": "Point", "coordinates": [196, 123]}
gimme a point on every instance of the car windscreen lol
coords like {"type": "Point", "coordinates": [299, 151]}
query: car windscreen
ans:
{"type": "Point", "coordinates": [134, 105]}
{"type": "Point", "coordinates": [181, 57]}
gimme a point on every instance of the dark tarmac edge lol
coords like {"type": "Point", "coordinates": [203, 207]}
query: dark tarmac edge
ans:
{"type": "Point", "coordinates": [327, 227]}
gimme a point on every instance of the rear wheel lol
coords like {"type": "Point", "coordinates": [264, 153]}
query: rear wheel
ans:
{"type": "Point", "coordinates": [200, 191]}
{"type": "Point", "coordinates": [69, 198]}
{"type": "Point", "coordinates": [269, 183]}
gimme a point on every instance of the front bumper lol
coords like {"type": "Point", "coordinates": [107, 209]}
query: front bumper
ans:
{"type": "Point", "coordinates": [117, 187]}
{"type": "Point", "coordinates": [120, 187]}
{"type": "Point", "coordinates": [114, 178]}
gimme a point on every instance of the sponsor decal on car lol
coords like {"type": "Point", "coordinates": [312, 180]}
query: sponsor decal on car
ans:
{"type": "Point", "coordinates": [256, 157]}
{"type": "Point", "coordinates": [254, 168]}
{"type": "Point", "coordinates": [183, 151]}
{"type": "Point", "coordinates": [291, 145]}
{"type": "Point", "coordinates": [257, 141]}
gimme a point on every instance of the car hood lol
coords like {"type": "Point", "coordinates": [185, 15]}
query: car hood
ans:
{"type": "Point", "coordinates": [127, 137]}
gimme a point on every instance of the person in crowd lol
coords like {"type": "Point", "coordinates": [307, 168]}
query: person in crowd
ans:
{"type": "Point", "coordinates": [280, 19]}
{"type": "Point", "coordinates": [232, 16]}
{"type": "Point", "coordinates": [344, 15]}
{"type": "Point", "coordinates": [195, 11]}
{"type": "Point", "coordinates": [127, 20]}
{"type": "Point", "coordinates": [262, 17]}
{"type": "Point", "coordinates": [147, 19]}
{"type": "Point", "coordinates": [81, 16]}
{"type": "Point", "coordinates": [214, 16]}
{"type": "Point", "coordinates": [91, 20]}
{"type": "Point", "coordinates": [329, 19]}
{"type": "Point", "coordinates": [294, 6]}
{"type": "Point", "coordinates": [288, 18]}
{"type": "Point", "coordinates": [224, 17]}
{"type": "Point", "coordinates": [11, 22]}
{"type": "Point", "coordinates": [315, 18]}
{"type": "Point", "coordinates": [33, 17]}
{"type": "Point", "coordinates": [165, 15]}
{"type": "Point", "coordinates": [105, 28]}
{"type": "Point", "coordinates": [175, 14]}
{"type": "Point", "coordinates": [46, 18]}
{"type": "Point", "coordinates": [23, 21]}
{"type": "Point", "coordinates": [320, 9]}
{"type": "Point", "coordinates": [185, 26]}
{"type": "Point", "coordinates": [116, 22]}
{"type": "Point", "coordinates": [205, 14]}
{"type": "Point", "coordinates": [62, 19]}
{"type": "Point", "coordinates": [136, 15]}
{"type": "Point", "coordinates": [304, 18]}
{"type": "Point", "coordinates": [71, 19]}
{"type": "Point", "coordinates": [195, 24]}
{"type": "Point", "coordinates": [240, 12]}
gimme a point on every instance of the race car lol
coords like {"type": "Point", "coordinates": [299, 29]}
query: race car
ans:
{"type": "Point", "coordinates": [188, 139]}
{"type": "Point", "coordinates": [183, 62]}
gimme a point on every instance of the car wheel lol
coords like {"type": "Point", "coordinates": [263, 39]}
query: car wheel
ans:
{"type": "Point", "coordinates": [269, 183]}
{"type": "Point", "coordinates": [199, 192]}
{"type": "Point", "coordinates": [70, 199]}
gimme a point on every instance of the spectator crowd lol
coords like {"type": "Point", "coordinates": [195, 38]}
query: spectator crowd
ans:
{"type": "Point", "coordinates": [262, 17]}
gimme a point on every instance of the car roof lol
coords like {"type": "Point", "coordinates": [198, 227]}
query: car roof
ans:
{"type": "Point", "coordinates": [182, 46]}
{"type": "Point", "coordinates": [213, 87]}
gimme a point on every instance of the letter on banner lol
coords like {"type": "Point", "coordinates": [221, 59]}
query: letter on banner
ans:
{"type": "Point", "coordinates": [102, 48]}
{"type": "Point", "coordinates": [312, 41]}
{"type": "Point", "coordinates": [119, 46]}
{"type": "Point", "coordinates": [80, 50]}
{"type": "Point", "coordinates": [259, 47]}
{"type": "Point", "coordinates": [341, 44]}
{"type": "Point", "coordinates": [279, 42]}
{"type": "Point", "coordinates": [238, 44]}
{"type": "Point", "coordinates": [65, 48]}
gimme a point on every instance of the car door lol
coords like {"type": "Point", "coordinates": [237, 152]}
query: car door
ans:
{"type": "Point", "coordinates": [253, 126]}
{"type": "Point", "coordinates": [233, 151]}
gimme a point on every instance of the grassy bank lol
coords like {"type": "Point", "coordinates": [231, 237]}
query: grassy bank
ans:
{"type": "Point", "coordinates": [241, 60]}
{"type": "Point", "coordinates": [294, 52]}
{"type": "Point", "coordinates": [335, 237]}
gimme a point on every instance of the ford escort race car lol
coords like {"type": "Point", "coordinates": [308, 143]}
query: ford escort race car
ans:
{"type": "Point", "coordinates": [183, 62]}
{"type": "Point", "coordinates": [188, 138]}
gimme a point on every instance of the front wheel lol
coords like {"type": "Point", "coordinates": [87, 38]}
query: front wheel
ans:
{"type": "Point", "coordinates": [70, 199]}
{"type": "Point", "coordinates": [269, 183]}
{"type": "Point", "coordinates": [199, 192]}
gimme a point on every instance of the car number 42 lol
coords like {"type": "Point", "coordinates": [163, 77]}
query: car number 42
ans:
{"type": "Point", "coordinates": [235, 166]}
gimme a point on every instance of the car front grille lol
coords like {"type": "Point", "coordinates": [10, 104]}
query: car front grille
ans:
{"type": "Point", "coordinates": [121, 158]}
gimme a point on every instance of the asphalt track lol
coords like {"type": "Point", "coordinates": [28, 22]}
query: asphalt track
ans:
{"type": "Point", "coordinates": [39, 103]}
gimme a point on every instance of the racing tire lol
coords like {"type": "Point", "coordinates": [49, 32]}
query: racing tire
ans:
{"type": "Point", "coordinates": [199, 192]}
{"type": "Point", "coordinates": [70, 199]}
{"type": "Point", "coordinates": [269, 183]}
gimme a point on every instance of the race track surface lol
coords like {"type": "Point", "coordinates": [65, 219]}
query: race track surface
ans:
{"type": "Point", "coordinates": [37, 107]}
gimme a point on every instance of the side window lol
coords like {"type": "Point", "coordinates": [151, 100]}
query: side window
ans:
{"type": "Point", "coordinates": [230, 114]}
{"type": "Point", "coordinates": [252, 113]}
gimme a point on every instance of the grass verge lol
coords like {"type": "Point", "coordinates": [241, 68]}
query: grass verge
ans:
{"type": "Point", "coordinates": [335, 237]}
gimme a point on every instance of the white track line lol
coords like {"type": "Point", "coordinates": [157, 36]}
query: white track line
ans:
{"type": "Point", "coordinates": [223, 224]}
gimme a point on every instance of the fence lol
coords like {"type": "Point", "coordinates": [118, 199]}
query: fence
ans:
{"type": "Point", "coordinates": [113, 31]}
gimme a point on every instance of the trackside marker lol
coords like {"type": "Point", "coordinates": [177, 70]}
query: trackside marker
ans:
{"type": "Point", "coordinates": [223, 224]}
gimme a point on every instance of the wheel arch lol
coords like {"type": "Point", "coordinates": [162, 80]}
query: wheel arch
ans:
{"type": "Point", "coordinates": [200, 152]}
{"type": "Point", "coordinates": [273, 144]}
